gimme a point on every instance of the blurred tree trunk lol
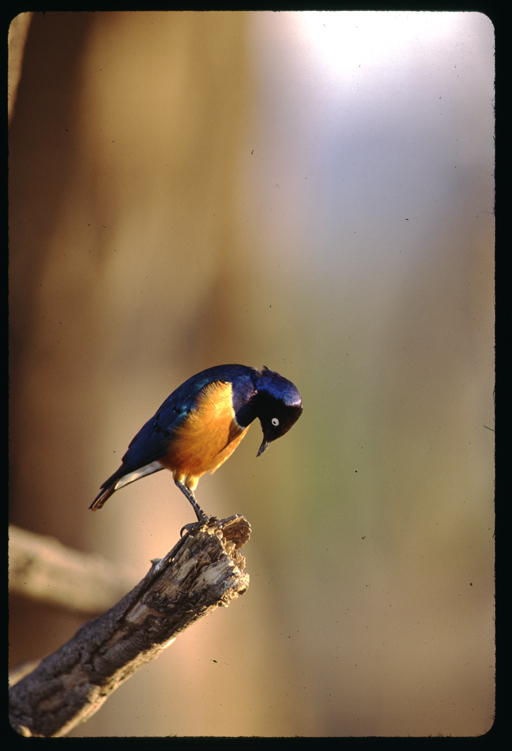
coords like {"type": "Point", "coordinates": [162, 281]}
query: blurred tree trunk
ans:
{"type": "Point", "coordinates": [124, 250]}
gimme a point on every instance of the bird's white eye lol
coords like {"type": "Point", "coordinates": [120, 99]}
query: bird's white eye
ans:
{"type": "Point", "coordinates": [275, 422]}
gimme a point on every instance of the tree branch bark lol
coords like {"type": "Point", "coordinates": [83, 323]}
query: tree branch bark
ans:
{"type": "Point", "coordinates": [202, 571]}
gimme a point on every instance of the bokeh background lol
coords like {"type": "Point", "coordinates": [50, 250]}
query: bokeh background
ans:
{"type": "Point", "coordinates": [308, 191]}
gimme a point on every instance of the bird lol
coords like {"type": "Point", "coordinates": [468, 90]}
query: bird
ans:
{"type": "Point", "coordinates": [202, 422]}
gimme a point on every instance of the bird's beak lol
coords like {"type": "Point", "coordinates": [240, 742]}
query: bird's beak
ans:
{"type": "Point", "coordinates": [264, 446]}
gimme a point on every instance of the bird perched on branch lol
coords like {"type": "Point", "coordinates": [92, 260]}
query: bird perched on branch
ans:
{"type": "Point", "coordinates": [201, 423]}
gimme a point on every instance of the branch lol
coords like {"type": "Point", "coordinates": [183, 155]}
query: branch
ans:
{"type": "Point", "coordinates": [41, 568]}
{"type": "Point", "coordinates": [202, 571]}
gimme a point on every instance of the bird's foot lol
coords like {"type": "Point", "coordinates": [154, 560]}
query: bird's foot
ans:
{"type": "Point", "coordinates": [195, 526]}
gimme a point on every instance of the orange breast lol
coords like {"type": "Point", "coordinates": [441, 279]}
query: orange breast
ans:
{"type": "Point", "coordinates": [208, 436]}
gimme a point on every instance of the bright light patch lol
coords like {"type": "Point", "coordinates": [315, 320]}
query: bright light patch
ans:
{"type": "Point", "coordinates": [343, 43]}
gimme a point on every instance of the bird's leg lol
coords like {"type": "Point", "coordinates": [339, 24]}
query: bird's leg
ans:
{"type": "Point", "coordinates": [201, 516]}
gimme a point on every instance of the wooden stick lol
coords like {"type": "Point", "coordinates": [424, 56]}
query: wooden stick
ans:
{"type": "Point", "coordinates": [202, 571]}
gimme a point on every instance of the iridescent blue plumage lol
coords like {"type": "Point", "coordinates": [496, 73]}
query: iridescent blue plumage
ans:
{"type": "Point", "coordinates": [202, 422]}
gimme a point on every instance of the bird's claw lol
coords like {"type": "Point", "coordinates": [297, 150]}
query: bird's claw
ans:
{"type": "Point", "coordinates": [195, 526]}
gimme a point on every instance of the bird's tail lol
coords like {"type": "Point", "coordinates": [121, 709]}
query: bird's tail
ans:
{"type": "Point", "coordinates": [102, 497]}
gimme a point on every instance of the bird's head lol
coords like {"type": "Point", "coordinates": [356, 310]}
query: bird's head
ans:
{"type": "Point", "coordinates": [278, 406]}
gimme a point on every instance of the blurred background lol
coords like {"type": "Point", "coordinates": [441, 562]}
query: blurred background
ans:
{"type": "Point", "coordinates": [308, 191]}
